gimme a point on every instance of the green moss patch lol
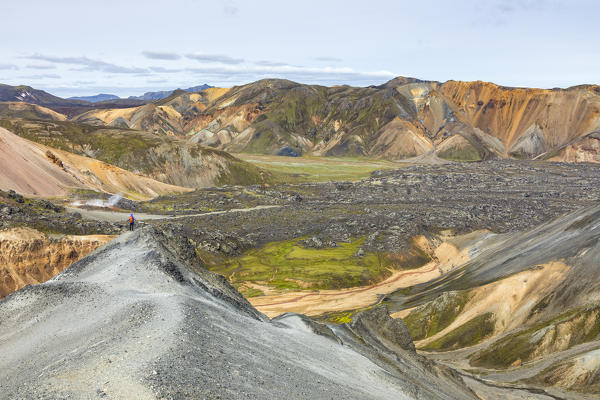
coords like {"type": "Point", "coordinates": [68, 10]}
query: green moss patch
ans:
{"type": "Point", "coordinates": [343, 317]}
{"type": "Point", "coordinates": [252, 293]}
{"type": "Point", "coordinates": [287, 265]}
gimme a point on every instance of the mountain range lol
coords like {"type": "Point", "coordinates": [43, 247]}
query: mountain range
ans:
{"type": "Point", "coordinates": [78, 104]}
{"type": "Point", "coordinates": [97, 98]}
{"type": "Point", "coordinates": [404, 118]}
{"type": "Point", "coordinates": [150, 96]}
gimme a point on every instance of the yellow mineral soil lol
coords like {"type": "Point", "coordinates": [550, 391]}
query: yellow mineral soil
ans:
{"type": "Point", "coordinates": [577, 373]}
{"type": "Point", "coordinates": [212, 94]}
{"type": "Point", "coordinates": [111, 179]}
{"type": "Point", "coordinates": [322, 301]}
{"type": "Point", "coordinates": [109, 115]}
{"type": "Point", "coordinates": [18, 109]}
{"type": "Point", "coordinates": [37, 170]}
{"type": "Point", "coordinates": [322, 147]}
{"type": "Point", "coordinates": [401, 139]}
{"type": "Point", "coordinates": [149, 117]}
{"type": "Point", "coordinates": [29, 257]}
{"type": "Point", "coordinates": [240, 117]}
{"type": "Point", "coordinates": [403, 313]}
{"type": "Point", "coordinates": [171, 112]}
{"type": "Point", "coordinates": [510, 299]}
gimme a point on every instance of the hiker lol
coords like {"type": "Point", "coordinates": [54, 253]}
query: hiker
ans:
{"type": "Point", "coordinates": [131, 222]}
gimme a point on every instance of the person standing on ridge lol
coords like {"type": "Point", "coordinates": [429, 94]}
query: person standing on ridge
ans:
{"type": "Point", "coordinates": [131, 222]}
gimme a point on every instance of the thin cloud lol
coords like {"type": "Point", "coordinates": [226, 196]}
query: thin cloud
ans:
{"type": "Point", "coordinates": [8, 66]}
{"type": "Point", "coordinates": [266, 63]}
{"type": "Point", "coordinates": [41, 76]}
{"type": "Point", "coordinates": [294, 72]}
{"type": "Point", "coordinates": [157, 80]}
{"type": "Point", "coordinates": [215, 58]}
{"type": "Point", "coordinates": [39, 66]}
{"type": "Point", "coordinates": [165, 70]}
{"type": "Point", "coordinates": [328, 59]}
{"type": "Point", "coordinates": [502, 12]}
{"type": "Point", "coordinates": [230, 8]}
{"type": "Point", "coordinates": [159, 55]}
{"type": "Point", "coordinates": [88, 64]}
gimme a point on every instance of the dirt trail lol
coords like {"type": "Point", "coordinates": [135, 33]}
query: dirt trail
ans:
{"type": "Point", "coordinates": [115, 216]}
{"type": "Point", "coordinates": [315, 303]}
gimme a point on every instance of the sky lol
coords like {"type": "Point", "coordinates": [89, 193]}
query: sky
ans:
{"type": "Point", "coordinates": [74, 47]}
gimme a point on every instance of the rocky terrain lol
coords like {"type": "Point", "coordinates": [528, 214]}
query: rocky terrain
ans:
{"type": "Point", "coordinates": [455, 238]}
{"type": "Point", "coordinates": [46, 216]}
{"type": "Point", "coordinates": [394, 206]}
{"type": "Point", "coordinates": [141, 318]}
{"type": "Point", "coordinates": [522, 308]}
{"type": "Point", "coordinates": [490, 264]}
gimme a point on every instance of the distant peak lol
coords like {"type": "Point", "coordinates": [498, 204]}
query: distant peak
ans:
{"type": "Point", "coordinates": [96, 98]}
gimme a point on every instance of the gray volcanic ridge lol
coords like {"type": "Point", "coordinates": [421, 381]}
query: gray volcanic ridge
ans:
{"type": "Point", "coordinates": [140, 318]}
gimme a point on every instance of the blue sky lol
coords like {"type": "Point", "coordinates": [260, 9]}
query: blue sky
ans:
{"type": "Point", "coordinates": [129, 47]}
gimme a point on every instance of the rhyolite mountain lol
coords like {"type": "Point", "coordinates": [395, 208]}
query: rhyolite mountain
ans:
{"type": "Point", "coordinates": [96, 98]}
{"type": "Point", "coordinates": [403, 118]}
{"type": "Point", "coordinates": [164, 158]}
{"type": "Point", "coordinates": [27, 94]}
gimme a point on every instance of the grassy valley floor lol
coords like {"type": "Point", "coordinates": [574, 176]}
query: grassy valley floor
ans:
{"type": "Point", "coordinates": [318, 169]}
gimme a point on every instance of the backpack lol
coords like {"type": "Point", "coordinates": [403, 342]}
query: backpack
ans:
{"type": "Point", "coordinates": [131, 219]}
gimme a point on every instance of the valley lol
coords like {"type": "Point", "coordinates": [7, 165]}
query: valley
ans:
{"type": "Point", "coordinates": [393, 241]}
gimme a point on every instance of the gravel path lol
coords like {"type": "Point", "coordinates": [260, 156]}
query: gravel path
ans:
{"type": "Point", "coordinates": [115, 216]}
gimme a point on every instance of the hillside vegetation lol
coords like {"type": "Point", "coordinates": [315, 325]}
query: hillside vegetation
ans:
{"type": "Point", "coordinates": [404, 118]}
{"type": "Point", "coordinates": [165, 159]}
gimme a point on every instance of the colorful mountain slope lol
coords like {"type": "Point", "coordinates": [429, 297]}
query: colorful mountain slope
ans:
{"type": "Point", "coordinates": [33, 169]}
